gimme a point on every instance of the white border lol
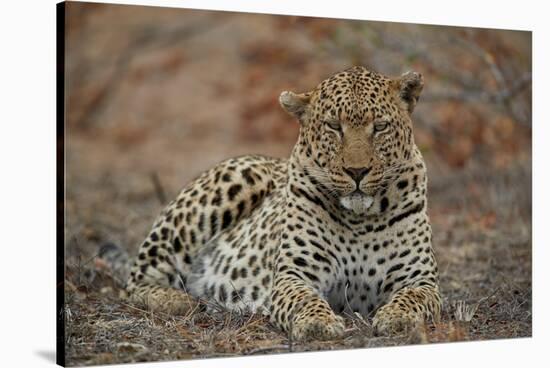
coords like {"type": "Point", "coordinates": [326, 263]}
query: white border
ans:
{"type": "Point", "coordinates": [27, 144]}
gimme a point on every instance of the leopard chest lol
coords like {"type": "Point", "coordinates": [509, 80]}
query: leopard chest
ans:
{"type": "Point", "coordinates": [370, 269]}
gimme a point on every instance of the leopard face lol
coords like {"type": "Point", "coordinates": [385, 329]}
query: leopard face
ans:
{"type": "Point", "coordinates": [356, 132]}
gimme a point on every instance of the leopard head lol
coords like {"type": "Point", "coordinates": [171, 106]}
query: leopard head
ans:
{"type": "Point", "coordinates": [355, 132]}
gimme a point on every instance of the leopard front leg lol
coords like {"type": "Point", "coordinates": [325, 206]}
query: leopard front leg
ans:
{"type": "Point", "coordinates": [297, 304]}
{"type": "Point", "coordinates": [407, 308]}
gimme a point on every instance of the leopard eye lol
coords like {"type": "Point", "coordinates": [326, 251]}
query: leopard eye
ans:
{"type": "Point", "coordinates": [380, 126]}
{"type": "Point", "coordinates": [334, 125]}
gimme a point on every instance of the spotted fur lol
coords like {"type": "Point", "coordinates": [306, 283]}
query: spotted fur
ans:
{"type": "Point", "coordinates": [339, 225]}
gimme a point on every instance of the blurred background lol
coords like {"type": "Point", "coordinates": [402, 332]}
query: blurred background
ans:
{"type": "Point", "coordinates": [157, 95]}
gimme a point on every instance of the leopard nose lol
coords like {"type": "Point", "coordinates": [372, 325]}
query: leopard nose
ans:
{"type": "Point", "coordinates": [357, 174]}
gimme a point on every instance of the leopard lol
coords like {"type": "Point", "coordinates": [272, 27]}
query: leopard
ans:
{"type": "Point", "coordinates": [340, 226]}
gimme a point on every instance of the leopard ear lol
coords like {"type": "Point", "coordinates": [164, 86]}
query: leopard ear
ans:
{"type": "Point", "coordinates": [295, 104]}
{"type": "Point", "coordinates": [410, 86]}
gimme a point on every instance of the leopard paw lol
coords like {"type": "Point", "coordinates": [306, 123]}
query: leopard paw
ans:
{"type": "Point", "coordinates": [165, 300]}
{"type": "Point", "coordinates": [391, 320]}
{"type": "Point", "coordinates": [318, 328]}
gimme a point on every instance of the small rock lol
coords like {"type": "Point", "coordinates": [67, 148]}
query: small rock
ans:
{"type": "Point", "coordinates": [128, 347]}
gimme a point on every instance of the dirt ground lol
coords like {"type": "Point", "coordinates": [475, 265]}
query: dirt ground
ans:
{"type": "Point", "coordinates": [155, 96]}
